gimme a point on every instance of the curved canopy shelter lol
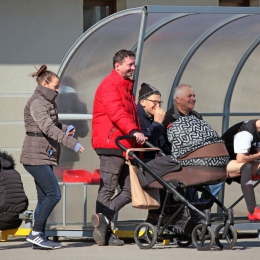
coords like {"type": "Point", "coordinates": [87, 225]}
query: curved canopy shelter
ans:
{"type": "Point", "coordinates": [214, 49]}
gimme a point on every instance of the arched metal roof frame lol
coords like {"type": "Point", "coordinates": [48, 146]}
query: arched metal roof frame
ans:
{"type": "Point", "coordinates": [83, 37]}
{"type": "Point", "coordinates": [157, 26]}
{"type": "Point", "coordinates": [238, 14]}
{"type": "Point", "coordinates": [201, 9]}
{"type": "Point", "coordinates": [231, 86]}
{"type": "Point", "coordinates": [148, 34]}
{"type": "Point", "coordinates": [144, 35]}
{"type": "Point", "coordinates": [195, 47]}
{"type": "Point", "coordinates": [94, 28]}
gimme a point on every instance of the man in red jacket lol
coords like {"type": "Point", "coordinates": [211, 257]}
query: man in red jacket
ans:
{"type": "Point", "coordinates": [114, 114]}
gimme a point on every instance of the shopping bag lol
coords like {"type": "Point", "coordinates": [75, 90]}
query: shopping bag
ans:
{"type": "Point", "coordinates": [142, 198]}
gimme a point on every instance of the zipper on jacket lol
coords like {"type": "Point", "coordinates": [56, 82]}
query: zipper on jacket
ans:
{"type": "Point", "coordinates": [111, 131]}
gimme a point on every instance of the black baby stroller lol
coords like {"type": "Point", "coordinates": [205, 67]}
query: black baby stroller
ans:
{"type": "Point", "coordinates": [191, 222]}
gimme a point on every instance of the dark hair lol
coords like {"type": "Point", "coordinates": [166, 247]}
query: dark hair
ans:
{"type": "Point", "coordinates": [121, 55]}
{"type": "Point", "coordinates": [43, 74]}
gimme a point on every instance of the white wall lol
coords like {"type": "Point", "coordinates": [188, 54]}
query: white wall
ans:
{"type": "Point", "coordinates": [32, 32]}
{"type": "Point", "coordinates": [35, 32]}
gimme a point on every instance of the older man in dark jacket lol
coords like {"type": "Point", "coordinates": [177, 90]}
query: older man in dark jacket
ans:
{"type": "Point", "coordinates": [184, 103]}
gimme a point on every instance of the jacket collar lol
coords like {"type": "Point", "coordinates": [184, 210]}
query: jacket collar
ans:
{"type": "Point", "coordinates": [176, 113]}
{"type": "Point", "coordinates": [142, 113]}
{"type": "Point", "coordinates": [127, 84]}
{"type": "Point", "coordinates": [47, 93]}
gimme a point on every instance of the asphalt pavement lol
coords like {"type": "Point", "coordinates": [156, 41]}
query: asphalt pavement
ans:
{"type": "Point", "coordinates": [79, 248]}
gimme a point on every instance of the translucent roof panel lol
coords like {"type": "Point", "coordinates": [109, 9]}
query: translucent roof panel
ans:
{"type": "Point", "coordinates": [211, 68]}
{"type": "Point", "coordinates": [87, 63]}
{"type": "Point", "coordinates": [91, 61]}
{"type": "Point", "coordinates": [165, 49]}
{"type": "Point", "coordinates": [157, 18]}
{"type": "Point", "coordinates": [215, 50]}
{"type": "Point", "coordinates": [248, 84]}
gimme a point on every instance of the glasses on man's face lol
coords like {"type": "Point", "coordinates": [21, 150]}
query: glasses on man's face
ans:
{"type": "Point", "coordinates": [155, 102]}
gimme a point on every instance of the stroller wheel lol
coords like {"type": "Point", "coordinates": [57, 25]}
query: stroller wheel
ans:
{"type": "Point", "coordinates": [205, 242]}
{"type": "Point", "coordinates": [185, 242]}
{"type": "Point", "coordinates": [145, 235]}
{"type": "Point", "coordinates": [225, 242]}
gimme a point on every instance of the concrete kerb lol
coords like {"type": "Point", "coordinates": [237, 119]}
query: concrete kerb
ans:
{"type": "Point", "coordinates": [74, 248]}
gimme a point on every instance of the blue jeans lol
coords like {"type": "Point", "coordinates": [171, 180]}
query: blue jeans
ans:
{"type": "Point", "coordinates": [213, 189]}
{"type": "Point", "coordinates": [48, 193]}
{"type": "Point", "coordinates": [190, 194]}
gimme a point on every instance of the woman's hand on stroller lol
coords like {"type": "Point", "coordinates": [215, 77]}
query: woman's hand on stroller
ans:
{"type": "Point", "coordinates": [140, 138]}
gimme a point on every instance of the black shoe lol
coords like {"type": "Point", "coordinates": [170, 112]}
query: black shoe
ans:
{"type": "Point", "coordinates": [115, 241]}
{"type": "Point", "coordinates": [100, 225]}
{"type": "Point", "coordinates": [112, 239]}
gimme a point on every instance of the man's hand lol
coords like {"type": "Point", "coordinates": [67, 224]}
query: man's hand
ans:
{"type": "Point", "coordinates": [159, 115]}
{"type": "Point", "coordinates": [140, 138]}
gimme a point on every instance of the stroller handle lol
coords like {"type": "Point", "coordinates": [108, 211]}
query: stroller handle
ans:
{"type": "Point", "coordinates": [123, 137]}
